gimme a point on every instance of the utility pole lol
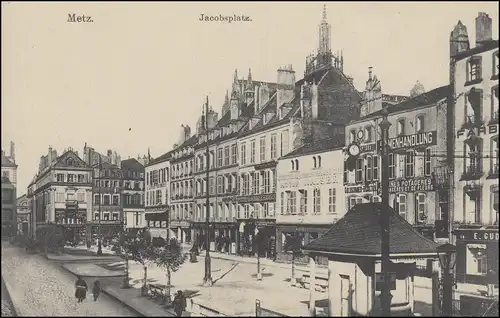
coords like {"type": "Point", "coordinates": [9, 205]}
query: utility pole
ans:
{"type": "Point", "coordinates": [207, 280]}
{"type": "Point", "coordinates": [256, 232]}
{"type": "Point", "coordinates": [385, 294]}
{"type": "Point", "coordinates": [99, 242]}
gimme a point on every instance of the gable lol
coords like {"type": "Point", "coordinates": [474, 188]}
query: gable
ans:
{"type": "Point", "coordinates": [69, 159]}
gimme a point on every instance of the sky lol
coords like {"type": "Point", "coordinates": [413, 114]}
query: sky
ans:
{"type": "Point", "coordinates": [128, 80]}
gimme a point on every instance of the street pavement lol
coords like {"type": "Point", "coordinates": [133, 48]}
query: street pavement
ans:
{"type": "Point", "coordinates": [41, 288]}
{"type": "Point", "coordinates": [7, 308]}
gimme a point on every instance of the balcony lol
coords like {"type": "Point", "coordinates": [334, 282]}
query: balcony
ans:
{"type": "Point", "coordinates": [472, 173]}
{"type": "Point", "coordinates": [71, 204]}
{"type": "Point", "coordinates": [494, 118]}
{"type": "Point", "coordinates": [494, 171]}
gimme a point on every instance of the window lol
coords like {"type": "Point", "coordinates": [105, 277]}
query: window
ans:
{"type": "Point", "coordinates": [243, 154]}
{"type": "Point", "coordinates": [420, 123]}
{"type": "Point", "coordinates": [273, 147]}
{"type": "Point", "coordinates": [410, 164]}
{"type": "Point", "coordinates": [246, 184]}
{"type": "Point", "coordinates": [369, 167]}
{"type": "Point", "coordinates": [427, 162]}
{"type": "Point", "coordinates": [284, 142]}
{"type": "Point", "coordinates": [368, 134]}
{"type": "Point", "coordinates": [473, 104]}
{"type": "Point", "coordinates": [267, 181]}
{"type": "Point", "coordinates": [474, 69]}
{"type": "Point", "coordinates": [494, 104]}
{"type": "Point", "coordinates": [421, 217]}
{"type": "Point", "coordinates": [354, 200]}
{"type": "Point", "coordinates": [314, 162]}
{"type": "Point", "coordinates": [401, 205]}
{"type": "Point", "coordinates": [282, 202]}
{"type": "Point", "coordinates": [80, 196]}
{"type": "Point", "coordinates": [359, 170]}
{"type": "Point", "coordinates": [494, 206]}
{"type": "Point", "coordinates": [60, 197]}
{"type": "Point", "coordinates": [477, 259]}
{"type": "Point", "coordinates": [262, 149]}
{"type": "Point", "coordinates": [332, 200]}
{"type": "Point", "coordinates": [219, 185]}
{"type": "Point", "coordinates": [292, 196]}
{"type": "Point", "coordinates": [212, 185]}
{"type": "Point", "coordinates": [226, 156]}
{"type": "Point", "coordinates": [317, 201]}
{"type": "Point", "coordinates": [472, 158]}
{"type": "Point", "coordinates": [296, 165]}
{"type": "Point", "coordinates": [5, 174]}
{"type": "Point", "coordinates": [255, 183]}
{"type": "Point", "coordinates": [234, 154]}
{"type": "Point", "coordinates": [303, 201]}
{"type": "Point", "coordinates": [71, 177]}
{"type": "Point", "coordinates": [401, 127]}
{"type": "Point", "coordinates": [495, 64]}
{"type": "Point", "coordinates": [219, 157]}
{"type": "Point", "coordinates": [319, 161]}
{"type": "Point", "coordinates": [252, 151]}
{"type": "Point", "coordinates": [375, 168]}
{"type": "Point", "coordinates": [352, 136]}
{"type": "Point", "coordinates": [106, 200]}
{"type": "Point", "coordinates": [494, 154]}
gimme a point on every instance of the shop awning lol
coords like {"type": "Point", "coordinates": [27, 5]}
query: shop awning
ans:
{"type": "Point", "coordinates": [358, 234]}
{"type": "Point", "coordinates": [163, 216]}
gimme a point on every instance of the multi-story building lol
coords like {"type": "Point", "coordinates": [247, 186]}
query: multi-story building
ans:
{"type": "Point", "coordinates": [9, 166]}
{"type": "Point", "coordinates": [9, 223]}
{"type": "Point", "coordinates": [157, 198]}
{"type": "Point", "coordinates": [417, 141]}
{"type": "Point", "coordinates": [61, 193]}
{"type": "Point", "coordinates": [182, 185]}
{"type": "Point", "coordinates": [107, 216]}
{"type": "Point", "coordinates": [474, 150]}
{"type": "Point", "coordinates": [23, 215]}
{"type": "Point", "coordinates": [133, 194]}
{"type": "Point", "coordinates": [310, 191]}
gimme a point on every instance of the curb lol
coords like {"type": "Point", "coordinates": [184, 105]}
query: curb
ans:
{"type": "Point", "coordinates": [15, 307]}
{"type": "Point", "coordinates": [100, 276]}
{"type": "Point", "coordinates": [104, 291]}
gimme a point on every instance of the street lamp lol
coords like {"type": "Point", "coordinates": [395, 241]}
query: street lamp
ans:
{"type": "Point", "coordinates": [257, 243]}
{"type": "Point", "coordinates": [385, 295]}
{"type": "Point", "coordinates": [447, 258]}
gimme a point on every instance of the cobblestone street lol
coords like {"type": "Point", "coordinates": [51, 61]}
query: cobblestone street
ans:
{"type": "Point", "coordinates": [40, 288]}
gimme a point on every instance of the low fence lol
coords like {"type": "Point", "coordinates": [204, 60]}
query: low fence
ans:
{"type": "Point", "coordinates": [197, 309]}
{"type": "Point", "coordinates": [264, 312]}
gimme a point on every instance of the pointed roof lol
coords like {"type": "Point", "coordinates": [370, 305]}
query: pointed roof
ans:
{"type": "Point", "coordinates": [70, 159]}
{"type": "Point", "coordinates": [358, 233]}
{"type": "Point", "coordinates": [6, 162]}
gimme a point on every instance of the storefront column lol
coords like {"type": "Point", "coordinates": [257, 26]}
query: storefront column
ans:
{"type": "Point", "coordinates": [312, 287]}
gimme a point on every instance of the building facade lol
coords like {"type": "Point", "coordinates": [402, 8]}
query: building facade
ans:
{"type": "Point", "coordinates": [9, 218]}
{"type": "Point", "coordinates": [9, 166]}
{"type": "Point", "coordinates": [157, 198]}
{"type": "Point", "coordinates": [417, 141]}
{"type": "Point", "coordinates": [182, 186]}
{"type": "Point", "coordinates": [23, 215]}
{"type": "Point", "coordinates": [133, 194]}
{"type": "Point", "coordinates": [61, 193]}
{"type": "Point", "coordinates": [310, 191]}
{"type": "Point", "coordinates": [107, 218]}
{"type": "Point", "coordinates": [474, 149]}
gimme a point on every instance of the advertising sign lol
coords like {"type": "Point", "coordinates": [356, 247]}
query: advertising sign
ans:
{"type": "Point", "coordinates": [428, 138]}
{"type": "Point", "coordinates": [411, 185]}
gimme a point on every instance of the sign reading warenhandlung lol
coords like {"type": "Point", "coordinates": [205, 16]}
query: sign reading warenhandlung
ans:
{"type": "Point", "coordinates": [427, 138]}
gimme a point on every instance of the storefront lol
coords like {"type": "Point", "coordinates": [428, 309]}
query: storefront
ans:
{"type": "Point", "coordinates": [257, 236]}
{"type": "Point", "coordinates": [477, 255]}
{"type": "Point", "coordinates": [307, 232]}
{"type": "Point", "coordinates": [157, 224]}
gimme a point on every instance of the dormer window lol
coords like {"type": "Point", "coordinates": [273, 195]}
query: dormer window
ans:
{"type": "Point", "coordinates": [401, 127]}
{"type": "Point", "coordinates": [420, 123]}
{"type": "Point", "coordinates": [473, 70]}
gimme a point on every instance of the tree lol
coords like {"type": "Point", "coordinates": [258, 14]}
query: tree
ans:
{"type": "Point", "coordinates": [142, 252]}
{"type": "Point", "coordinates": [293, 244]}
{"type": "Point", "coordinates": [123, 247]}
{"type": "Point", "coordinates": [169, 256]}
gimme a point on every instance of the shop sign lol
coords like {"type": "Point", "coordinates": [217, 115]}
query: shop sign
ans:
{"type": "Point", "coordinates": [257, 198]}
{"type": "Point", "coordinates": [428, 138]}
{"type": "Point", "coordinates": [483, 130]}
{"type": "Point", "coordinates": [371, 187]}
{"type": "Point", "coordinates": [367, 147]}
{"type": "Point", "coordinates": [489, 236]}
{"type": "Point", "coordinates": [411, 185]}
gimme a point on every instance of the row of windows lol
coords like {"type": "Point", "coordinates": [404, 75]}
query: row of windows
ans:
{"type": "Point", "coordinates": [107, 199]}
{"type": "Point", "coordinates": [250, 157]}
{"type": "Point", "coordinates": [225, 156]}
{"type": "Point", "coordinates": [293, 202]}
{"type": "Point", "coordinates": [258, 182]}
{"type": "Point", "coordinates": [155, 197]}
{"type": "Point", "coordinates": [72, 178]}
{"type": "Point", "coordinates": [474, 155]}
{"type": "Point", "coordinates": [228, 183]}
{"type": "Point", "coordinates": [316, 163]}
{"type": "Point", "coordinates": [473, 209]}
{"type": "Point", "coordinates": [62, 197]}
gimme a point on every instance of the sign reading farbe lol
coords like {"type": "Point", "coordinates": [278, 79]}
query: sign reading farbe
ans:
{"type": "Point", "coordinates": [428, 138]}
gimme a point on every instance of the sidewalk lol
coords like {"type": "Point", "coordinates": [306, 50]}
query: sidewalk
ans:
{"type": "Point", "coordinates": [131, 298]}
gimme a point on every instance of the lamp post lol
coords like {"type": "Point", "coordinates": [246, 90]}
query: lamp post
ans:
{"type": "Point", "coordinates": [207, 280]}
{"type": "Point", "coordinates": [256, 232]}
{"type": "Point", "coordinates": [447, 259]}
{"type": "Point", "coordinates": [385, 294]}
{"type": "Point", "coordinates": [99, 241]}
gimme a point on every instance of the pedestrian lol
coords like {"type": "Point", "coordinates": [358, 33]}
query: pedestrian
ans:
{"type": "Point", "coordinates": [81, 289]}
{"type": "Point", "coordinates": [96, 290]}
{"type": "Point", "coordinates": [179, 303]}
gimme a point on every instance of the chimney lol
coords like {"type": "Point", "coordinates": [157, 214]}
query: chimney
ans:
{"type": "Point", "coordinates": [286, 85]}
{"type": "Point", "coordinates": [483, 28]}
{"type": "Point", "coordinates": [187, 132]}
{"type": "Point", "coordinates": [12, 151]}
{"type": "Point", "coordinates": [49, 157]}
{"type": "Point", "coordinates": [459, 39]}
{"type": "Point", "coordinates": [370, 72]}
{"type": "Point", "coordinates": [109, 153]}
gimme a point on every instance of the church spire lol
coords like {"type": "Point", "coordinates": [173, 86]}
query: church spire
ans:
{"type": "Point", "coordinates": [249, 81]}
{"type": "Point", "coordinates": [226, 99]}
{"type": "Point", "coordinates": [324, 35]}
